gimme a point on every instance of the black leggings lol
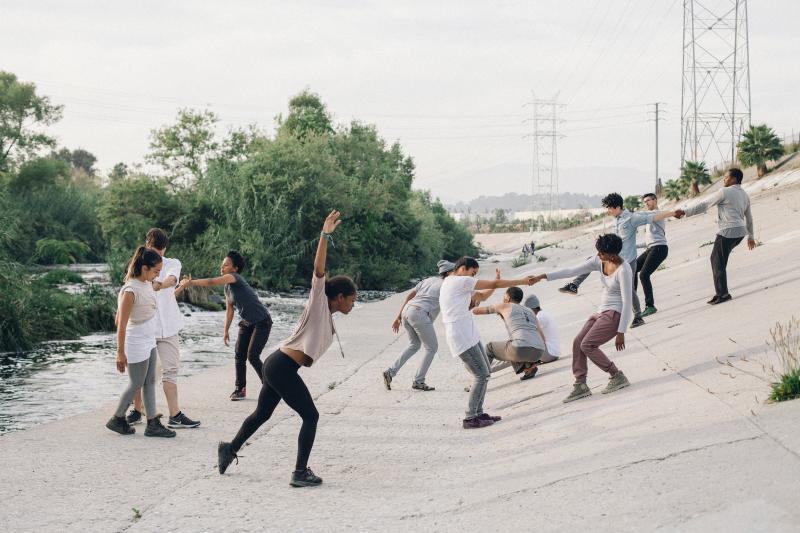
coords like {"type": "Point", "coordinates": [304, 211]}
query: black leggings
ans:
{"type": "Point", "coordinates": [249, 344]}
{"type": "Point", "coordinates": [646, 264]}
{"type": "Point", "coordinates": [281, 381]}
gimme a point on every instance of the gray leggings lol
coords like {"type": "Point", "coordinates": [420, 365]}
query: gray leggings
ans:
{"type": "Point", "coordinates": [420, 331]}
{"type": "Point", "coordinates": [142, 376]}
{"type": "Point", "coordinates": [477, 364]}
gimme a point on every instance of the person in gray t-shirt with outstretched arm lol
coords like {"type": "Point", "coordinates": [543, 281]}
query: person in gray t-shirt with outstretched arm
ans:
{"type": "Point", "coordinates": [735, 222]}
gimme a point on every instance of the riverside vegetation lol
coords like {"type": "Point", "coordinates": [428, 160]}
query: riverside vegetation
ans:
{"type": "Point", "coordinates": [248, 190]}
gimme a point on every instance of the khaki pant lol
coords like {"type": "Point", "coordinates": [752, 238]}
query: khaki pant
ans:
{"type": "Point", "coordinates": [169, 355]}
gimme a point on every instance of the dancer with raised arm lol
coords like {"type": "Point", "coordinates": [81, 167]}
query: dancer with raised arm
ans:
{"type": "Point", "coordinates": [419, 310]}
{"type": "Point", "coordinates": [311, 339]}
{"type": "Point", "coordinates": [255, 323]}
{"type": "Point", "coordinates": [458, 293]}
{"type": "Point", "coordinates": [735, 223]}
{"type": "Point", "coordinates": [611, 319]}
{"type": "Point", "coordinates": [136, 342]}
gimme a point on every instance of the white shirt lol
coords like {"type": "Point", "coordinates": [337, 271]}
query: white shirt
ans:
{"type": "Point", "coordinates": [140, 337]}
{"type": "Point", "coordinates": [460, 329]}
{"type": "Point", "coordinates": [169, 319]}
{"type": "Point", "coordinates": [552, 339]}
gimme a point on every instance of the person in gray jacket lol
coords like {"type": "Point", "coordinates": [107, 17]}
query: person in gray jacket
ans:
{"type": "Point", "coordinates": [735, 223]}
{"type": "Point", "coordinates": [419, 310]}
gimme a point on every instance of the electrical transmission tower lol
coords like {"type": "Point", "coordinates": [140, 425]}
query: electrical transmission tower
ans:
{"type": "Point", "coordinates": [715, 101]}
{"type": "Point", "coordinates": [657, 110]}
{"type": "Point", "coordinates": [544, 179]}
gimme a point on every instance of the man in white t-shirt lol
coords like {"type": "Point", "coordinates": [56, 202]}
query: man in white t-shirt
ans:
{"type": "Point", "coordinates": [459, 291]}
{"type": "Point", "coordinates": [169, 322]}
{"type": "Point", "coordinates": [548, 327]}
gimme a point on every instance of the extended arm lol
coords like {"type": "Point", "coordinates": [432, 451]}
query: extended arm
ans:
{"type": "Point", "coordinates": [212, 282]}
{"type": "Point", "coordinates": [500, 309]}
{"type": "Point", "coordinates": [503, 283]}
{"type": "Point", "coordinates": [587, 266]}
{"type": "Point", "coordinates": [702, 207]}
{"type": "Point", "coordinates": [482, 296]}
{"type": "Point", "coordinates": [328, 227]}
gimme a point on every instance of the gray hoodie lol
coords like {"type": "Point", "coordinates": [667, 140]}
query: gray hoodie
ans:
{"type": "Point", "coordinates": [733, 212]}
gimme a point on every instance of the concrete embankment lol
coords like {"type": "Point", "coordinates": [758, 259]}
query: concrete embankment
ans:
{"type": "Point", "coordinates": [690, 446]}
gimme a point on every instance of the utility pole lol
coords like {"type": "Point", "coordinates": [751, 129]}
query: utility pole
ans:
{"type": "Point", "coordinates": [715, 96]}
{"type": "Point", "coordinates": [656, 118]}
{"type": "Point", "coordinates": [544, 177]}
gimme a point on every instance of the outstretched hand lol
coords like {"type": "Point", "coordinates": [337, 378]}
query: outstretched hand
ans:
{"type": "Point", "coordinates": [332, 222]}
{"type": "Point", "coordinates": [679, 213]}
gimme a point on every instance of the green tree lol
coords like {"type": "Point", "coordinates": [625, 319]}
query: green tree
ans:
{"type": "Point", "coordinates": [307, 116]}
{"type": "Point", "coordinates": [22, 111]}
{"type": "Point", "coordinates": [759, 144]}
{"type": "Point", "coordinates": [40, 173]}
{"type": "Point", "coordinates": [694, 174]}
{"type": "Point", "coordinates": [675, 189]}
{"type": "Point", "coordinates": [183, 149]}
{"type": "Point", "coordinates": [500, 216]}
{"type": "Point", "coordinates": [118, 172]}
{"type": "Point", "coordinates": [632, 203]}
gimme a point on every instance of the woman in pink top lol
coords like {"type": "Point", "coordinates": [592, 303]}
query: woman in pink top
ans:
{"type": "Point", "coordinates": [311, 339]}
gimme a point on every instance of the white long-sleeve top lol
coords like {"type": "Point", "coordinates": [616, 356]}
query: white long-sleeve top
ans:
{"type": "Point", "coordinates": [617, 288]}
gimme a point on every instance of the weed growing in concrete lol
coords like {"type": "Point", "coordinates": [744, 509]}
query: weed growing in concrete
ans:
{"type": "Point", "coordinates": [707, 243]}
{"type": "Point", "coordinates": [541, 258]}
{"type": "Point", "coordinates": [786, 343]}
{"type": "Point", "coordinates": [137, 514]}
{"type": "Point", "coordinates": [331, 385]}
{"type": "Point", "coordinates": [520, 261]}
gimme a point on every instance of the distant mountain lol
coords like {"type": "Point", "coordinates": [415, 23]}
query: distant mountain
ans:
{"type": "Point", "coordinates": [522, 202]}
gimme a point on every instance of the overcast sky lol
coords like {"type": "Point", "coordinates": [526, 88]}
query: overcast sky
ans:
{"type": "Point", "coordinates": [448, 80]}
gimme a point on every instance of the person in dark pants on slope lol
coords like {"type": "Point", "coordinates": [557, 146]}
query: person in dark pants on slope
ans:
{"type": "Point", "coordinates": [735, 223]}
{"type": "Point", "coordinates": [255, 324]}
{"type": "Point", "coordinates": [655, 253]}
{"type": "Point", "coordinates": [310, 340]}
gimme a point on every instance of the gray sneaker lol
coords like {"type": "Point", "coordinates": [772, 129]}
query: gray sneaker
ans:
{"type": "Point", "coordinates": [579, 390]}
{"type": "Point", "coordinates": [616, 382]}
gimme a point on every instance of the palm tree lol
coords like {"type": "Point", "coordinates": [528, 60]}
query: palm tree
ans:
{"type": "Point", "coordinates": [675, 189]}
{"type": "Point", "coordinates": [694, 174]}
{"type": "Point", "coordinates": [759, 144]}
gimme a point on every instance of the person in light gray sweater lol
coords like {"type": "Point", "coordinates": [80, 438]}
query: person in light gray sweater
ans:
{"type": "Point", "coordinates": [735, 223]}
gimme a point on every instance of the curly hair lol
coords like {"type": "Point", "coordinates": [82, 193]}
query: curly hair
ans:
{"type": "Point", "coordinates": [613, 200]}
{"type": "Point", "coordinates": [609, 243]}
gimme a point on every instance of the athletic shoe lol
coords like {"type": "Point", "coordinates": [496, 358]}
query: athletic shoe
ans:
{"type": "Point", "coordinates": [649, 310]}
{"type": "Point", "coordinates": [569, 288]}
{"type": "Point", "coordinates": [305, 478]}
{"type": "Point", "coordinates": [134, 417]}
{"type": "Point", "coordinates": [387, 379]}
{"type": "Point", "coordinates": [721, 299]}
{"type": "Point", "coordinates": [120, 425]}
{"type": "Point", "coordinates": [487, 416]}
{"type": "Point", "coordinates": [579, 390]}
{"type": "Point", "coordinates": [156, 429]}
{"type": "Point", "coordinates": [530, 374]}
{"type": "Point", "coordinates": [477, 422]}
{"type": "Point", "coordinates": [616, 382]}
{"type": "Point", "coordinates": [239, 394]}
{"type": "Point", "coordinates": [422, 386]}
{"type": "Point", "coordinates": [637, 321]}
{"type": "Point", "coordinates": [225, 456]}
{"type": "Point", "coordinates": [181, 421]}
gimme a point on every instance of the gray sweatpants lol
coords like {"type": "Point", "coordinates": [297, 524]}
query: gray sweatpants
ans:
{"type": "Point", "coordinates": [477, 364]}
{"type": "Point", "coordinates": [637, 306]}
{"type": "Point", "coordinates": [419, 328]}
{"type": "Point", "coordinates": [142, 376]}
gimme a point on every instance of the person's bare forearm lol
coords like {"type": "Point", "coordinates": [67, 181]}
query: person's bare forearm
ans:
{"type": "Point", "coordinates": [321, 257]}
{"type": "Point", "coordinates": [228, 317]}
{"type": "Point", "coordinates": [500, 283]}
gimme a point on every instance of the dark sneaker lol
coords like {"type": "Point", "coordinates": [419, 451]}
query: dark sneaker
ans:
{"type": "Point", "coordinates": [422, 386]}
{"type": "Point", "coordinates": [156, 429]}
{"type": "Point", "coordinates": [529, 374]}
{"type": "Point", "coordinates": [134, 417]}
{"type": "Point", "coordinates": [721, 299]}
{"type": "Point", "coordinates": [305, 478]}
{"type": "Point", "coordinates": [387, 379]}
{"type": "Point", "coordinates": [225, 456]}
{"type": "Point", "coordinates": [477, 422]}
{"type": "Point", "coordinates": [239, 394]}
{"type": "Point", "coordinates": [713, 301]}
{"type": "Point", "coordinates": [487, 416]}
{"type": "Point", "coordinates": [637, 321]}
{"type": "Point", "coordinates": [181, 421]}
{"type": "Point", "coordinates": [569, 288]}
{"type": "Point", "coordinates": [120, 425]}
{"type": "Point", "coordinates": [579, 390]}
{"type": "Point", "coordinates": [616, 382]}
{"type": "Point", "coordinates": [649, 310]}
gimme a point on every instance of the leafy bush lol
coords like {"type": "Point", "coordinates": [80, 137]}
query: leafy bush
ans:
{"type": "Point", "coordinates": [61, 276]}
{"type": "Point", "coordinates": [520, 261]}
{"type": "Point", "coordinates": [55, 252]}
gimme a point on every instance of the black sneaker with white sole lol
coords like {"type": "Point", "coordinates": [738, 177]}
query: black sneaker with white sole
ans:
{"type": "Point", "coordinates": [181, 421]}
{"type": "Point", "coordinates": [134, 417]}
{"type": "Point", "coordinates": [305, 478]}
{"type": "Point", "coordinates": [569, 288]}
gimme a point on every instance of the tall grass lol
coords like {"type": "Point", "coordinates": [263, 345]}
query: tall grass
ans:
{"type": "Point", "coordinates": [786, 343]}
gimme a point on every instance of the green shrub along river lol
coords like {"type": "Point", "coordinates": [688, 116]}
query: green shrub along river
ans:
{"type": "Point", "coordinates": [263, 194]}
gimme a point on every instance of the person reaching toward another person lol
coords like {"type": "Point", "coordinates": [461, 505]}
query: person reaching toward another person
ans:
{"type": "Point", "coordinates": [255, 324]}
{"type": "Point", "coordinates": [525, 344]}
{"type": "Point", "coordinates": [655, 253]}
{"type": "Point", "coordinates": [609, 322]}
{"type": "Point", "coordinates": [735, 220]}
{"type": "Point", "coordinates": [310, 340]}
{"type": "Point", "coordinates": [136, 342]}
{"type": "Point", "coordinates": [458, 293]}
{"type": "Point", "coordinates": [419, 310]}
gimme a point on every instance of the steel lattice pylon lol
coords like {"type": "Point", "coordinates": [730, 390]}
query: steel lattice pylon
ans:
{"type": "Point", "coordinates": [715, 100]}
{"type": "Point", "coordinates": [544, 182]}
